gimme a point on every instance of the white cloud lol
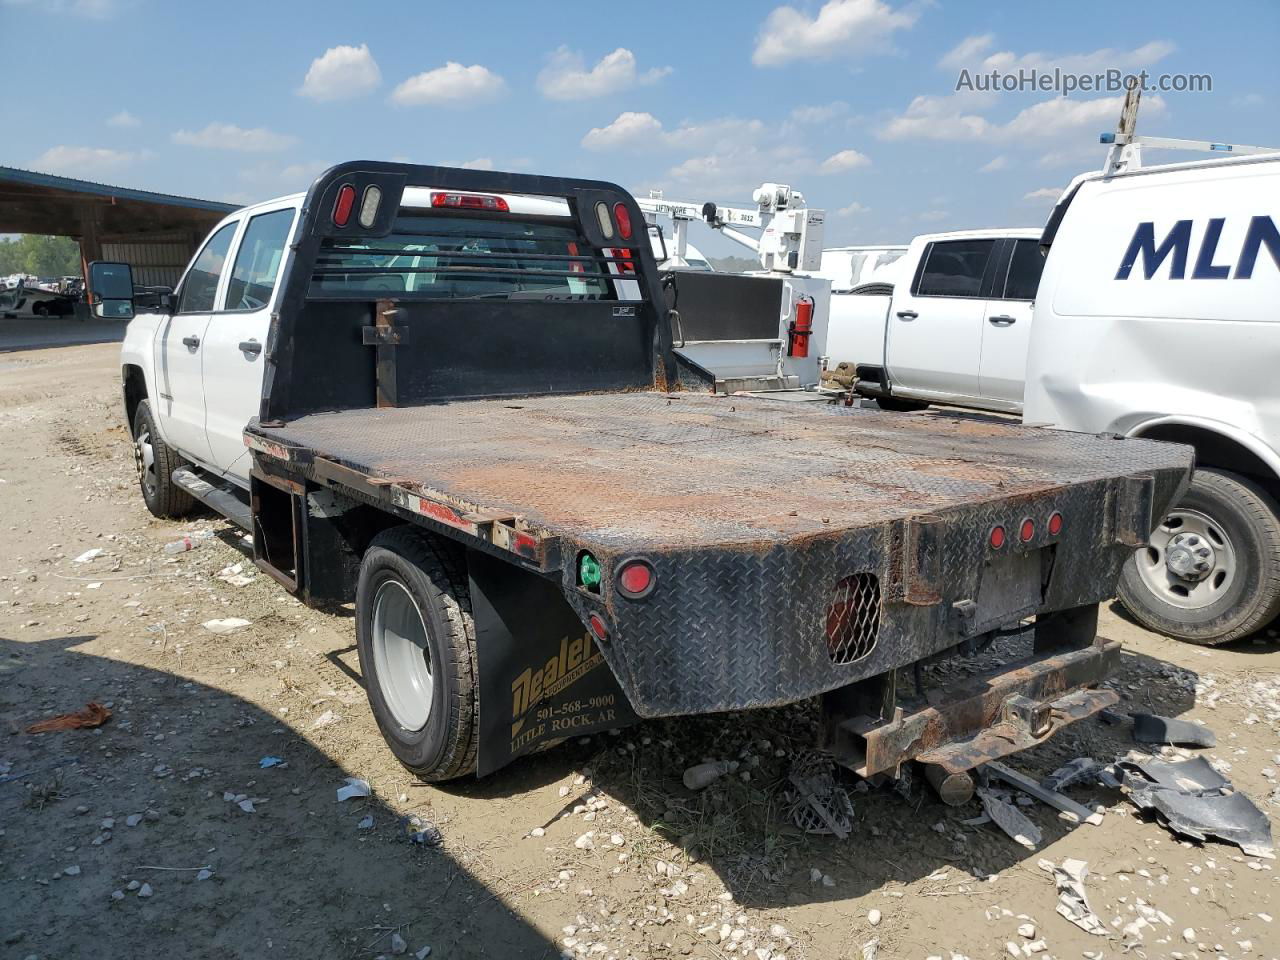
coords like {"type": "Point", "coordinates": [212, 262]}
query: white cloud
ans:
{"type": "Point", "coordinates": [821, 113]}
{"type": "Point", "coordinates": [87, 162]}
{"type": "Point", "coordinates": [629, 128]}
{"type": "Point", "coordinates": [89, 9]}
{"type": "Point", "coordinates": [227, 136]}
{"type": "Point", "coordinates": [1095, 61]}
{"type": "Point", "coordinates": [732, 170]}
{"type": "Point", "coordinates": [479, 163]}
{"type": "Point", "coordinates": [123, 119]}
{"type": "Point", "coordinates": [450, 85]}
{"type": "Point", "coordinates": [994, 164]}
{"type": "Point", "coordinates": [933, 216]}
{"type": "Point", "coordinates": [566, 78]}
{"type": "Point", "coordinates": [852, 210]}
{"type": "Point", "coordinates": [341, 73]}
{"type": "Point", "coordinates": [841, 28]}
{"type": "Point", "coordinates": [1044, 193]}
{"type": "Point", "coordinates": [1248, 100]}
{"type": "Point", "coordinates": [967, 51]}
{"type": "Point", "coordinates": [844, 160]}
{"type": "Point", "coordinates": [949, 118]}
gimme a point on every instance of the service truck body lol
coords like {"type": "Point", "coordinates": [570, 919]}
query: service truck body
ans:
{"type": "Point", "coordinates": [604, 537]}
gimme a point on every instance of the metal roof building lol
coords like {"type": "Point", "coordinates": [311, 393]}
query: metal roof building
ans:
{"type": "Point", "coordinates": [155, 233]}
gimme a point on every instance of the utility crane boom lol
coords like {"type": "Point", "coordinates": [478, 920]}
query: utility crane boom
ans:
{"type": "Point", "coordinates": [791, 234]}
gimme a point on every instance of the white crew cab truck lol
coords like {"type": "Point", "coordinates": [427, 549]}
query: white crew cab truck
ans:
{"type": "Point", "coordinates": [1158, 316]}
{"type": "Point", "coordinates": [947, 322]}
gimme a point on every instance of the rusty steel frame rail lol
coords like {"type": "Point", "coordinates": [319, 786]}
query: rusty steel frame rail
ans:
{"type": "Point", "coordinates": [985, 717]}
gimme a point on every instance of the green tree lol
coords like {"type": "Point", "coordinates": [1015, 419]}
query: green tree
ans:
{"type": "Point", "coordinates": [39, 255]}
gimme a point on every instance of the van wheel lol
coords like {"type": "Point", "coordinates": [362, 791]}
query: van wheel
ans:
{"type": "Point", "coordinates": [1211, 573]}
{"type": "Point", "coordinates": [156, 461]}
{"type": "Point", "coordinates": [416, 641]}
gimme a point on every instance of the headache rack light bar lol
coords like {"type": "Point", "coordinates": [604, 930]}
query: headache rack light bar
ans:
{"type": "Point", "coordinates": [460, 271]}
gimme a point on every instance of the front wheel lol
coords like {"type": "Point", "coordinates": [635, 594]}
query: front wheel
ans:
{"type": "Point", "coordinates": [416, 641]}
{"type": "Point", "coordinates": [900, 405]}
{"type": "Point", "coordinates": [1211, 573]}
{"type": "Point", "coordinates": [156, 461]}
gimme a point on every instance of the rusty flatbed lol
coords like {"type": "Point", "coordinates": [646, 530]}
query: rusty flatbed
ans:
{"type": "Point", "coordinates": [651, 470]}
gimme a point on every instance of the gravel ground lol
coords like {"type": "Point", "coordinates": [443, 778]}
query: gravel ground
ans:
{"type": "Point", "coordinates": [159, 833]}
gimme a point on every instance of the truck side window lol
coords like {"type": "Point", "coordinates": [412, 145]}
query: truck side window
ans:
{"type": "Point", "coordinates": [253, 275]}
{"type": "Point", "coordinates": [1025, 267]}
{"type": "Point", "coordinates": [954, 268]}
{"type": "Point", "coordinates": [201, 283]}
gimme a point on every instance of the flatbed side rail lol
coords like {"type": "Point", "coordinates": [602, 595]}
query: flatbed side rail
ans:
{"type": "Point", "coordinates": [502, 530]}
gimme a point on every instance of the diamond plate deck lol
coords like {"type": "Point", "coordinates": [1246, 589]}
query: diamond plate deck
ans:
{"type": "Point", "coordinates": [752, 512]}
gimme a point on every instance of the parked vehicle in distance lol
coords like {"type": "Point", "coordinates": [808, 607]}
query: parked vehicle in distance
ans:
{"type": "Point", "coordinates": [851, 267]}
{"type": "Point", "coordinates": [452, 398]}
{"type": "Point", "coordinates": [947, 322]}
{"type": "Point", "coordinates": [1157, 317]}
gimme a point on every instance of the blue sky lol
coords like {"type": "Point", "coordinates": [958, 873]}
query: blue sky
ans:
{"type": "Point", "coordinates": [851, 101]}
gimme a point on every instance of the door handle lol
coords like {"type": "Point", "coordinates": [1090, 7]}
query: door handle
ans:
{"type": "Point", "coordinates": [907, 314]}
{"type": "Point", "coordinates": [251, 346]}
{"type": "Point", "coordinates": [192, 342]}
{"type": "Point", "coordinates": [1002, 320]}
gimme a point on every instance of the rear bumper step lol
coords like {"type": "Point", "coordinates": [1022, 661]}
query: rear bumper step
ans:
{"type": "Point", "coordinates": [986, 717]}
{"type": "Point", "coordinates": [217, 497]}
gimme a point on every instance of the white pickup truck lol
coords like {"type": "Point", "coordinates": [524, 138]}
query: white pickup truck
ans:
{"type": "Point", "coordinates": [948, 322]}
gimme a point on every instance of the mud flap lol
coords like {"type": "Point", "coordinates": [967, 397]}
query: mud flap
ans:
{"type": "Point", "coordinates": [542, 677]}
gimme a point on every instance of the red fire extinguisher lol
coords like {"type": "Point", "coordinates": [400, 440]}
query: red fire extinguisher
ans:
{"type": "Point", "coordinates": [801, 328]}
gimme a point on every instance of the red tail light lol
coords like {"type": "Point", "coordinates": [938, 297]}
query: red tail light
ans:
{"type": "Point", "coordinates": [622, 259]}
{"type": "Point", "coordinates": [575, 266]}
{"type": "Point", "coordinates": [1055, 524]}
{"type": "Point", "coordinates": [623, 218]}
{"type": "Point", "coordinates": [598, 626]}
{"type": "Point", "coordinates": [1028, 530]}
{"type": "Point", "coordinates": [470, 201]}
{"type": "Point", "coordinates": [636, 579]}
{"type": "Point", "coordinates": [342, 205]}
{"type": "Point", "coordinates": [997, 538]}
{"type": "Point", "coordinates": [801, 329]}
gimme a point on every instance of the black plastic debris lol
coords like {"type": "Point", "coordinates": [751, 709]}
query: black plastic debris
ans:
{"type": "Point", "coordinates": [1149, 728]}
{"type": "Point", "coordinates": [1196, 801]}
{"type": "Point", "coordinates": [1079, 770]}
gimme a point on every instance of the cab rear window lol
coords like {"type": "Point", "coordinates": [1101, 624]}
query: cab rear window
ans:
{"type": "Point", "coordinates": [467, 258]}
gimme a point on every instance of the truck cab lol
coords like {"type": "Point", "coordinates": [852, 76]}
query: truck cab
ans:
{"type": "Point", "coordinates": [946, 323]}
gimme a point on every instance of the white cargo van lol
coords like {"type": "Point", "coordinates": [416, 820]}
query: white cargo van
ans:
{"type": "Point", "coordinates": [1158, 315]}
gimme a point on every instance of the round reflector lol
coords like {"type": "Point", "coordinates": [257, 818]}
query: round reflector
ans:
{"type": "Point", "coordinates": [623, 218]}
{"type": "Point", "coordinates": [635, 579]}
{"type": "Point", "coordinates": [598, 626]}
{"type": "Point", "coordinates": [1028, 530]}
{"type": "Point", "coordinates": [602, 218]}
{"type": "Point", "coordinates": [997, 538]}
{"type": "Point", "coordinates": [1055, 524]}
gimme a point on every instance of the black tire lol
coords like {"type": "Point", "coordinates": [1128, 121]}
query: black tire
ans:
{"type": "Point", "coordinates": [164, 498]}
{"type": "Point", "coordinates": [432, 570]}
{"type": "Point", "coordinates": [1250, 519]}
{"type": "Point", "coordinates": [899, 405]}
{"type": "Point", "coordinates": [40, 309]}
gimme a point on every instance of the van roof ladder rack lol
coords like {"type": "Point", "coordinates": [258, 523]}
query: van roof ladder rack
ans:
{"type": "Point", "coordinates": [1125, 153]}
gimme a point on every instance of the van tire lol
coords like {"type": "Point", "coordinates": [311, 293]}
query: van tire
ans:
{"type": "Point", "coordinates": [401, 564]}
{"type": "Point", "coordinates": [164, 498]}
{"type": "Point", "coordinates": [899, 405]}
{"type": "Point", "coordinates": [1250, 521]}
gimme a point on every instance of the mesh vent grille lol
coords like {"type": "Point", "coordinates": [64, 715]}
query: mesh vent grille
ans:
{"type": "Point", "coordinates": [853, 618]}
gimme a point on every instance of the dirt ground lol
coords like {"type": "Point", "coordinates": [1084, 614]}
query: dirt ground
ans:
{"type": "Point", "coordinates": [160, 835]}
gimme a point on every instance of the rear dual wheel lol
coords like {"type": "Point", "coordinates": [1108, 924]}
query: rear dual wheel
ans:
{"type": "Point", "coordinates": [416, 641]}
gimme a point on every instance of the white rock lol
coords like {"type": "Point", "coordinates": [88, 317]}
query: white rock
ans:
{"type": "Point", "coordinates": [1035, 946]}
{"type": "Point", "coordinates": [246, 806]}
{"type": "Point", "coordinates": [133, 885]}
{"type": "Point", "coordinates": [815, 875]}
{"type": "Point", "coordinates": [204, 874]}
{"type": "Point", "coordinates": [828, 880]}
{"type": "Point", "coordinates": [617, 839]}
{"type": "Point", "coordinates": [398, 946]}
{"type": "Point", "coordinates": [1189, 935]}
{"type": "Point", "coordinates": [537, 832]}
{"type": "Point", "coordinates": [873, 917]}
{"type": "Point", "coordinates": [1027, 930]}
{"type": "Point", "coordinates": [564, 791]}
{"type": "Point", "coordinates": [777, 931]}
{"type": "Point", "coordinates": [117, 894]}
{"type": "Point", "coordinates": [72, 871]}
{"type": "Point", "coordinates": [366, 822]}
{"type": "Point", "coordinates": [145, 890]}
{"type": "Point", "coordinates": [133, 819]}
{"type": "Point", "coordinates": [423, 953]}
{"type": "Point", "coordinates": [1012, 949]}
{"type": "Point", "coordinates": [586, 841]}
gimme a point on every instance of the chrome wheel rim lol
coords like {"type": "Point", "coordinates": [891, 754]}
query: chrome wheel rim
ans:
{"type": "Point", "coordinates": [144, 457]}
{"type": "Point", "coordinates": [402, 655]}
{"type": "Point", "coordinates": [1190, 561]}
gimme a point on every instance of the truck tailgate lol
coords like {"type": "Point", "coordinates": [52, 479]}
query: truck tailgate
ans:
{"type": "Point", "coordinates": [763, 522]}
